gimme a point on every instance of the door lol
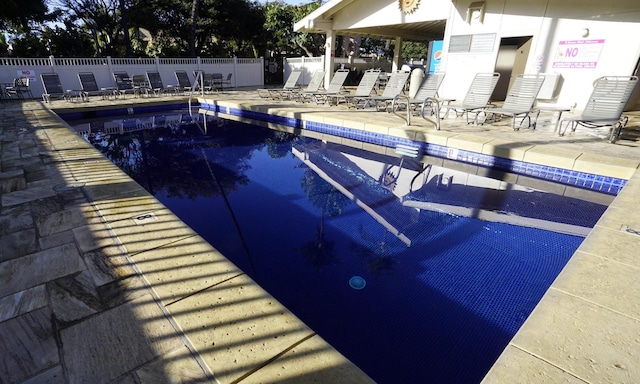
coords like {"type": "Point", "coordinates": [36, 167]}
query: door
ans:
{"type": "Point", "coordinates": [273, 70]}
{"type": "Point", "coordinates": [511, 62]}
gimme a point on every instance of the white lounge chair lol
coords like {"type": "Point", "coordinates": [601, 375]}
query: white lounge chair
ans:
{"type": "Point", "coordinates": [477, 97]}
{"type": "Point", "coordinates": [334, 90]}
{"type": "Point", "coordinates": [289, 85]}
{"type": "Point", "coordinates": [605, 106]}
{"type": "Point", "coordinates": [364, 89]}
{"type": "Point", "coordinates": [519, 101]}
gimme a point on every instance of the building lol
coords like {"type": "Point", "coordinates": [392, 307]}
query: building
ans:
{"type": "Point", "coordinates": [572, 42]}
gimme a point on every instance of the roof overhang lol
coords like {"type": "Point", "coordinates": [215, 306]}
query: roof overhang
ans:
{"type": "Point", "coordinates": [321, 21]}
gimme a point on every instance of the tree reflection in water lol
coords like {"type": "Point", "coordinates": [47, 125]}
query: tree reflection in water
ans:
{"type": "Point", "coordinates": [319, 252]}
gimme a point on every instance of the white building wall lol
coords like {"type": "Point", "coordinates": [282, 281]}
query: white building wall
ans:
{"type": "Point", "coordinates": [549, 22]}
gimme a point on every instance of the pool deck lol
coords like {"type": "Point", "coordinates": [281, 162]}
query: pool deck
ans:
{"type": "Point", "coordinates": [99, 282]}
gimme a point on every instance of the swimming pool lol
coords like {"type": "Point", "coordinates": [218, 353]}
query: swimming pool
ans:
{"type": "Point", "coordinates": [386, 258]}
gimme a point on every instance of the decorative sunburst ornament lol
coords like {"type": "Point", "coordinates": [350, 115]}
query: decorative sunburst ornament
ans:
{"type": "Point", "coordinates": [408, 6]}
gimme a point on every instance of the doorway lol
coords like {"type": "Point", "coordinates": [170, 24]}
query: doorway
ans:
{"type": "Point", "coordinates": [511, 62]}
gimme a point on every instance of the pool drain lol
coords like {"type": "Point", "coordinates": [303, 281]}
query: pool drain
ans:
{"type": "Point", "coordinates": [357, 282]}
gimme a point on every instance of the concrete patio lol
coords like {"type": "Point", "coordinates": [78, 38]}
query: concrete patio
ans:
{"type": "Point", "coordinates": [101, 283]}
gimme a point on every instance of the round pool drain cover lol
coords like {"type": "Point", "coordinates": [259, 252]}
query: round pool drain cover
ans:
{"type": "Point", "coordinates": [357, 282]}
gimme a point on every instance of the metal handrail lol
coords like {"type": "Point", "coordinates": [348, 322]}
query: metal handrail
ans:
{"type": "Point", "coordinates": [199, 81]}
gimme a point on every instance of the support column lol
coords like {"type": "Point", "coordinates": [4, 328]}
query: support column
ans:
{"type": "Point", "coordinates": [329, 56]}
{"type": "Point", "coordinates": [397, 58]}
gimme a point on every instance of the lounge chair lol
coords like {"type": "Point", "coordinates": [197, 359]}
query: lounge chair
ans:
{"type": "Point", "coordinates": [90, 86]}
{"type": "Point", "coordinates": [424, 96]}
{"type": "Point", "coordinates": [216, 82]}
{"type": "Point", "coordinates": [605, 106]}
{"type": "Point", "coordinates": [184, 84]}
{"type": "Point", "coordinates": [156, 85]}
{"type": "Point", "coordinates": [124, 84]}
{"type": "Point", "coordinates": [141, 83]}
{"type": "Point", "coordinates": [477, 97]}
{"type": "Point", "coordinates": [19, 88]}
{"type": "Point", "coordinates": [290, 84]}
{"type": "Point", "coordinates": [226, 83]}
{"type": "Point", "coordinates": [334, 90]}
{"type": "Point", "coordinates": [314, 85]}
{"type": "Point", "coordinates": [53, 89]}
{"type": "Point", "coordinates": [363, 90]}
{"type": "Point", "coordinates": [519, 102]}
{"type": "Point", "coordinates": [394, 87]}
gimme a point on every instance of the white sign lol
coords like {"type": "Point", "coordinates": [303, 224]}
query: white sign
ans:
{"type": "Point", "coordinates": [578, 53]}
{"type": "Point", "coordinates": [30, 73]}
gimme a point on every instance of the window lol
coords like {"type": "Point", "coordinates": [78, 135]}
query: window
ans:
{"type": "Point", "coordinates": [480, 43]}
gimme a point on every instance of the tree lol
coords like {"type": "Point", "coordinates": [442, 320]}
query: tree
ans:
{"type": "Point", "coordinates": [414, 50]}
{"type": "Point", "coordinates": [18, 14]}
{"type": "Point", "coordinates": [102, 18]}
{"type": "Point", "coordinates": [70, 41]}
{"type": "Point", "coordinates": [279, 20]}
{"type": "Point", "coordinates": [197, 27]}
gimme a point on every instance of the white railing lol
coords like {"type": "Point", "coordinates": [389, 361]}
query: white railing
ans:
{"type": "Point", "coordinates": [246, 72]}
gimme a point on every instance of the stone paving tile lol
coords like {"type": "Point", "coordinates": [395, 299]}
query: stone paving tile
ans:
{"type": "Point", "coordinates": [55, 239]}
{"type": "Point", "coordinates": [311, 361]}
{"type": "Point", "coordinates": [590, 341]}
{"type": "Point", "coordinates": [23, 302]}
{"type": "Point", "coordinates": [26, 196]}
{"type": "Point", "coordinates": [16, 244]}
{"type": "Point", "coordinates": [611, 285]}
{"type": "Point", "coordinates": [115, 342]}
{"type": "Point", "coordinates": [28, 345]}
{"type": "Point", "coordinates": [237, 327]}
{"type": "Point", "coordinates": [43, 266]}
{"type": "Point", "coordinates": [518, 366]}
{"type": "Point", "coordinates": [54, 375]}
{"type": "Point", "coordinates": [126, 205]}
{"type": "Point", "coordinates": [175, 367]}
{"type": "Point", "coordinates": [11, 181]}
{"type": "Point", "coordinates": [74, 297]}
{"type": "Point", "coordinates": [161, 227]}
{"type": "Point", "coordinates": [184, 267]}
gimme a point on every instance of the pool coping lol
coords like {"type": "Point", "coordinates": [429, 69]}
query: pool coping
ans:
{"type": "Point", "coordinates": [568, 337]}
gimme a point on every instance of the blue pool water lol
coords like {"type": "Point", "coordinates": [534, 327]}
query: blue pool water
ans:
{"type": "Point", "coordinates": [415, 272]}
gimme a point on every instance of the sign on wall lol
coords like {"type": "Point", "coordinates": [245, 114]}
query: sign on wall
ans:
{"type": "Point", "coordinates": [578, 53]}
{"type": "Point", "coordinates": [30, 73]}
{"type": "Point", "coordinates": [436, 56]}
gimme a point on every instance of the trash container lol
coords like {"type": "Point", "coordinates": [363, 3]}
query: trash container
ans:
{"type": "Point", "coordinates": [417, 74]}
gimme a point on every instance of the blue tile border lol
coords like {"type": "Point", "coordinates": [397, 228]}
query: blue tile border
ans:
{"type": "Point", "coordinates": [603, 184]}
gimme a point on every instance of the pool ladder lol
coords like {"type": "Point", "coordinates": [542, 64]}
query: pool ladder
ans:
{"type": "Point", "coordinates": [199, 82]}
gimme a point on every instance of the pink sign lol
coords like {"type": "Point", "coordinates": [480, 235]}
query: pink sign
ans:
{"type": "Point", "coordinates": [578, 53]}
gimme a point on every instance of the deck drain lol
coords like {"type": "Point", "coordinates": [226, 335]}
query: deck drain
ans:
{"type": "Point", "coordinates": [628, 229]}
{"type": "Point", "coordinates": [357, 282]}
{"type": "Point", "coordinates": [68, 187]}
{"type": "Point", "coordinates": [145, 219]}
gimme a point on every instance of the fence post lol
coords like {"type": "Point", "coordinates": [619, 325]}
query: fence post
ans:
{"type": "Point", "coordinates": [262, 71]}
{"type": "Point", "coordinates": [110, 67]}
{"type": "Point", "coordinates": [52, 63]}
{"type": "Point", "coordinates": [235, 71]}
{"type": "Point", "coordinates": [157, 64]}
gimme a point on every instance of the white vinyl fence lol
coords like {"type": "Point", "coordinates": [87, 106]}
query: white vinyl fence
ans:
{"type": "Point", "coordinates": [308, 65]}
{"type": "Point", "coordinates": [246, 72]}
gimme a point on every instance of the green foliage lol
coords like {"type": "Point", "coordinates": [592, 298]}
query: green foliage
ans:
{"type": "Point", "coordinates": [218, 28]}
{"type": "Point", "coordinates": [378, 47]}
{"type": "Point", "coordinates": [414, 50]}
{"type": "Point", "coordinates": [18, 14]}
{"type": "Point", "coordinates": [279, 20]}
